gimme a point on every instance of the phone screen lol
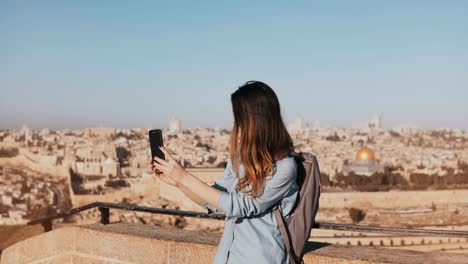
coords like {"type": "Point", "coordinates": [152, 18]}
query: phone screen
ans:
{"type": "Point", "coordinates": [156, 140]}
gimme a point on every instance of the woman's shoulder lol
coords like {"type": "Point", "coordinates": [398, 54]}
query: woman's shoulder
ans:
{"type": "Point", "coordinates": [286, 161]}
{"type": "Point", "coordinates": [286, 167]}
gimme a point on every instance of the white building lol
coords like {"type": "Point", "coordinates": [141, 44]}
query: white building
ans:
{"type": "Point", "coordinates": [298, 125]}
{"type": "Point", "coordinates": [175, 125]}
{"type": "Point", "coordinates": [317, 124]}
{"type": "Point", "coordinates": [27, 133]}
{"type": "Point", "coordinates": [374, 123]}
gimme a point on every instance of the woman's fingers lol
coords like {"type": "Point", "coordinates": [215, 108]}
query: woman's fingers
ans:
{"type": "Point", "coordinates": [153, 168]}
{"type": "Point", "coordinates": [166, 153]}
{"type": "Point", "coordinates": [156, 170]}
{"type": "Point", "coordinates": [169, 162]}
{"type": "Point", "coordinates": [160, 161]}
{"type": "Point", "coordinates": [169, 158]}
{"type": "Point", "coordinates": [161, 169]}
{"type": "Point", "coordinates": [163, 149]}
{"type": "Point", "coordinates": [171, 170]}
{"type": "Point", "coordinates": [164, 176]}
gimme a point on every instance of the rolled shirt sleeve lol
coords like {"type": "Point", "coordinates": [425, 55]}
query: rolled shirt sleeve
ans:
{"type": "Point", "coordinates": [238, 204]}
{"type": "Point", "coordinates": [226, 179]}
{"type": "Point", "coordinates": [221, 184]}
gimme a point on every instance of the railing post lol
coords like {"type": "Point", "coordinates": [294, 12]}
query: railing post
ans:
{"type": "Point", "coordinates": [104, 215]}
{"type": "Point", "coordinates": [47, 225]}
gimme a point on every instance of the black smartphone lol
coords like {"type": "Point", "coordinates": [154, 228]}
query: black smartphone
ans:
{"type": "Point", "coordinates": [156, 140]}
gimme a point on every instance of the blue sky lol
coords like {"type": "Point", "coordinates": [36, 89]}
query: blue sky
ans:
{"type": "Point", "coordinates": [74, 64]}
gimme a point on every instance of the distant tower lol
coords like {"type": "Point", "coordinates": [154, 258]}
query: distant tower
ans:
{"type": "Point", "coordinates": [27, 133]}
{"type": "Point", "coordinates": [375, 122]}
{"type": "Point", "coordinates": [25, 130]}
{"type": "Point", "coordinates": [301, 123]}
{"type": "Point", "coordinates": [175, 125]}
{"type": "Point", "coordinates": [317, 124]}
{"type": "Point", "coordinates": [378, 121]}
{"type": "Point", "coordinates": [298, 125]}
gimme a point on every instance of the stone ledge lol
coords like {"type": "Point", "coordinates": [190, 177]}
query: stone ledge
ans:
{"type": "Point", "coordinates": [135, 243]}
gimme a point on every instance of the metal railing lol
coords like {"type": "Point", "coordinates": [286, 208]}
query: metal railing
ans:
{"type": "Point", "coordinates": [104, 208]}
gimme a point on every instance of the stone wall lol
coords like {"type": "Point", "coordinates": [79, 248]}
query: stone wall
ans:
{"type": "Point", "coordinates": [397, 199]}
{"type": "Point", "coordinates": [134, 243]}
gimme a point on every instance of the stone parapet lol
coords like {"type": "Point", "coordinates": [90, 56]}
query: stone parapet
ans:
{"type": "Point", "coordinates": [137, 243]}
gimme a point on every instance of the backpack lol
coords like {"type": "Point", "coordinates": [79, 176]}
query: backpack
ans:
{"type": "Point", "coordinates": [296, 229]}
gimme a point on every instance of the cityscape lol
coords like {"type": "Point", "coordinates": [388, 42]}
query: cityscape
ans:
{"type": "Point", "coordinates": [99, 160]}
{"type": "Point", "coordinates": [401, 177]}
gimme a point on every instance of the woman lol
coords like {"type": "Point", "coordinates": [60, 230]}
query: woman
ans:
{"type": "Point", "coordinates": [259, 175]}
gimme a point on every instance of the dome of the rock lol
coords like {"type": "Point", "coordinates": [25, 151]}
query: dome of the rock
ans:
{"type": "Point", "coordinates": [365, 153]}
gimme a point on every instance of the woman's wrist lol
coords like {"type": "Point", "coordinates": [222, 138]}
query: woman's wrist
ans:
{"type": "Point", "coordinates": [183, 180]}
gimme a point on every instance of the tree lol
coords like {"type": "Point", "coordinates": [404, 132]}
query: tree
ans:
{"type": "Point", "coordinates": [357, 215]}
{"type": "Point", "coordinates": [122, 155]}
{"type": "Point", "coordinates": [8, 152]}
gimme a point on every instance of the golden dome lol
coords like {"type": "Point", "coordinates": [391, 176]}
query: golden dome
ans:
{"type": "Point", "coordinates": [365, 153]}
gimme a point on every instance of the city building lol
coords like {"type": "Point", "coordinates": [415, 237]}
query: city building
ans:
{"type": "Point", "coordinates": [374, 123]}
{"type": "Point", "coordinates": [364, 163]}
{"type": "Point", "coordinates": [298, 125]}
{"type": "Point", "coordinates": [104, 132]}
{"type": "Point", "coordinates": [175, 125]}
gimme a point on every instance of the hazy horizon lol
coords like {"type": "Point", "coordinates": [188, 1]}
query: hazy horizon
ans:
{"type": "Point", "coordinates": [127, 65]}
{"type": "Point", "coordinates": [213, 127]}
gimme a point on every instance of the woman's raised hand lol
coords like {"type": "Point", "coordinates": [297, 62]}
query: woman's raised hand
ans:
{"type": "Point", "coordinates": [168, 170]}
{"type": "Point", "coordinates": [158, 173]}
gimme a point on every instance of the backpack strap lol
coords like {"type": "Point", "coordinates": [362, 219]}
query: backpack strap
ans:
{"type": "Point", "coordinates": [284, 233]}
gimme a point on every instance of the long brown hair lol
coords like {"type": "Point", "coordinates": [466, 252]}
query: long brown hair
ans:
{"type": "Point", "coordinates": [259, 137]}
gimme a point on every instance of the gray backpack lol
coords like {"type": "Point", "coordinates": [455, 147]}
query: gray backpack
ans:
{"type": "Point", "coordinates": [296, 229]}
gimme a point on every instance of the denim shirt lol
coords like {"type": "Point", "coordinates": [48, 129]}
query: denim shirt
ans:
{"type": "Point", "coordinates": [251, 233]}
